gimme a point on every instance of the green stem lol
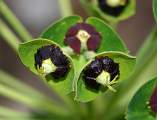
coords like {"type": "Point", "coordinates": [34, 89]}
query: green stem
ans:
{"type": "Point", "coordinates": [27, 95]}
{"type": "Point", "coordinates": [65, 7]}
{"type": "Point", "coordinates": [35, 103]}
{"type": "Point", "coordinates": [8, 35]}
{"type": "Point", "coordinates": [14, 22]}
{"type": "Point", "coordinates": [4, 111]}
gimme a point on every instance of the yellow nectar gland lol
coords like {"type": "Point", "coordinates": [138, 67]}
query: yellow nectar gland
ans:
{"type": "Point", "coordinates": [116, 3]}
{"type": "Point", "coordinates": [47, 67]}
{"type": "Point", "coordinates": [104, 79]}
{"type": "Point", "coordinates": [83, 36]}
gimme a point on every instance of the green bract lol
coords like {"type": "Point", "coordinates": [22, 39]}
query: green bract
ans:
{"type": "Point", "coordinates": [27, 51]}
{"type": "Point", "coordinates": [110, 40]}
{"type": "Point", "coordinates": [93, 9]}
{"type": "Point", "coordinates": [139, 106]}
{"type": "Point", "coordinates": [126, 66]}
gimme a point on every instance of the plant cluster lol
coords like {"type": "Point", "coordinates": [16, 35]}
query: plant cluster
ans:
{"type": "Point", "coordinates": [86, 63]}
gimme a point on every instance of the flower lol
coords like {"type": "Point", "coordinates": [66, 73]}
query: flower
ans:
{"type": "Point", "coordinates": [113, 7]}
{"type": "Point", "coordinates": [51, 60]}
{"type": "Point", "coordinates": [101, 71]}
{"type": "Point", "coordinates": [82, 36]}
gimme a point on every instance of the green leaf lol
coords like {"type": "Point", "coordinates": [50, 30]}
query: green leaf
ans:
{"type": "Point", "coordinates": [56, 32]}
{"type": "Point", "coordinates": [26, 53]}
{"type": "Point", "coordinates": [110, 39]}
{"type": "Point", "coordinates": [138, 108]}
{"type": "Point", "coordinates": [126, 64]}
{"type": "Point", "coordinates": [155, 9]}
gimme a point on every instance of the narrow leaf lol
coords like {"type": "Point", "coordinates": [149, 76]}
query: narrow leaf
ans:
{"type": "Point", "coordinates": [155, 9]}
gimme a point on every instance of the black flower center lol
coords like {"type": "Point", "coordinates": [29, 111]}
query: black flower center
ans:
{"type": "Point", "coordinates": [113, 7]}
{"type": "Point", "coordinates": [101, 71]}
{"type": "Point", "coordinates": [82, 36]}
{"type": "Point", "coordinates": [51, 60]}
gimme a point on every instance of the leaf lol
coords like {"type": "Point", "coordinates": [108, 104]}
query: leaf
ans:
{"type": "Point", "coordinates": [138, 108]}
{"type": "Point", "coordinates": [110, 39]}
{"type": "Point", "coordinates": [126, 64]}
{"type": "Point", "coordinates": [155, 9]}
{"type": "Point", "coordinates": [56, 32]}
{"type": "Point", "coordinates": [26, 53]}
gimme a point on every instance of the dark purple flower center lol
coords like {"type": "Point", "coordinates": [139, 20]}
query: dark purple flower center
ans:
{"type": "Point", "coordinates": [112, 10]}
{"type": "Point", "coordinates": [51, 60]}
{"type": "Point", "coordinates": [82, 36]}
{"type": "Point", "coordinates": [153, 101]}
{"type": "Point", "coordinates": [96, 67]}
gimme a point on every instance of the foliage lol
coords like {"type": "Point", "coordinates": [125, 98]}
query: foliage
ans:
{"type": "Point", "coordinates": [77, 101]}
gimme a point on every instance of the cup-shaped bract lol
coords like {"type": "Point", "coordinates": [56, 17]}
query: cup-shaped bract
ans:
{"type": "Point", "coordinates": [102, 72]}
{"type": "Point", "coordinates": [46, 59]}
{"type": "Point", "coordinates": [112, 11]}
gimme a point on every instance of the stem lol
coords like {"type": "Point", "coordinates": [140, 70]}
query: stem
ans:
{"type": "Point", "coordinates": [70, 103]}
{"type": "Point", "coordinates": [27, 95]}
{"type": "Point", "coordinates": [65, 7]}
{"type": "Point", "coordinates": [14, 22]}
{"type": "Point", "coordinates": [8, 112]}
{"type": "Point", "coordinates": [8, 36]}
{"type": "Point", "coordinates": [19, 86]}
{"type": "Point", "coordinates": [31, 102]}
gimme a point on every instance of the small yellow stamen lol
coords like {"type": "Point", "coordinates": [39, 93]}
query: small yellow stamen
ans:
{"type": "Point", "coordinates": [104, 79]}
{"type": "Point", "coordinates": [83, 36]}
{"type": "Point", "coordinates": [116, 3]}
{"type": "Point", "coordinates": [47, 67]}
